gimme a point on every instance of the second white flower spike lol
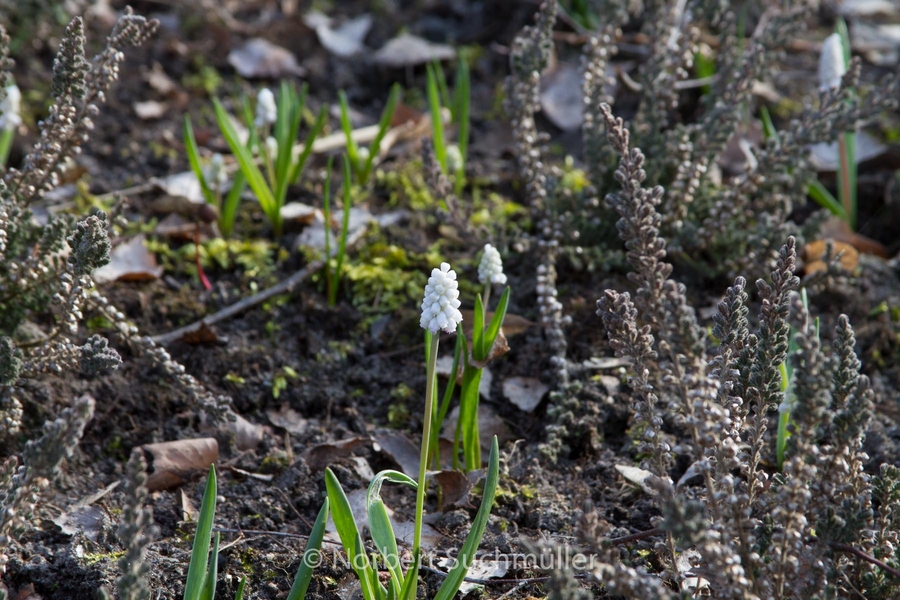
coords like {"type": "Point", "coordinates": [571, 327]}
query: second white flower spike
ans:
{"type": "Point", "coordinates": [490, 270]}
{"type": "Point", "coordinates": [440, 307]}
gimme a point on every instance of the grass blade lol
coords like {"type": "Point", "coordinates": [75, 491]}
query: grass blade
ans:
{"type": "Point", "coordinates": [380, 524]}
{"type": "Point", "coordinates": [307, 148]}
{"type": "Point", "coordinates": [437, 124]}
{"type": "Point", "coordinates": [345, 524]}
{"type": "Point", "coordinates": [496, 322]}
{"type": "Point", "coordinates": [825, 199]}
{"type": "Point", "coordinates": [193, 153]}
{"type": "Point", "coordinates": [383, 125]}
{"type": "Point", "coordinates": [254, 176]}
{"type": "Point", "coordinates": [197, 568]}
{"type": "Point", "coordinates": [326, 210]}
{"type": "Point", "coordinates": [478, 350]}
{"type": "Point", "coordinates": [352, 148]}
{"type": "Point", "coordinates": [456, 575]}
{"type": "Point", "coordinates": [212, 574]}
{"type": "Point", "coordinates": [345, 225]}
{"type": "Point", "coordinates": [240, 591]}
{"type": "Point", "coordinates": [310, 555]}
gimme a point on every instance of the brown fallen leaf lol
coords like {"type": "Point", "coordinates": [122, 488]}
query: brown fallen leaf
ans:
{"type": "Point", "coordinates": [175, 462]}
{"type": "Point", "coordinates": [817, 253]}
{"type": "Point", "coordinates": [130, 261]}
{"type": "Point", "coordinates": [455, 487]}
{"type": "Point", "coordinates": [400, 449]}
{"type": "Point", "coordinates": [261, 59]}
{"type": "Point", "coordinates": [839, 230]}
{"type": "Point", "coordinates": [203, 335]}
{"type": "Point", "coordinates": [407, 50]}
{"type": "Point", "coordinates": [525, 392]}
{"type": "Point", "coordinates": [325, 454]}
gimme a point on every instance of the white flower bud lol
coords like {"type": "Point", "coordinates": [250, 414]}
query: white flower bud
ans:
{"type": "Point", "coordinates": [831, 63]}
{"type": "Point", "coordinates": [272, 147]}
{"type": "Point", "coordinates": [454, 159]}
{"type": "Point", "coordinates": [215, 173]}
{"type": "Point", "coordinates": [266, 109]}
{"type": "Point", "coordinates": [10, 107]}
{"type": "Point", "coordinates": [440, 307]}
{"type": "Point", "coordinates": [491, 268]}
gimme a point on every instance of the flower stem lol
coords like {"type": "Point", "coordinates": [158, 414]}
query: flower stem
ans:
{"type": "Point", "coordinates": [426, 436]}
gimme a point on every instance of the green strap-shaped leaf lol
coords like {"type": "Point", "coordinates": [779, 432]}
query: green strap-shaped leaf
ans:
{"type": "Point", "coordinates": [437, 124]}
{"type": "Point", "coordinates": [310, 555]}
{"type": "Point", "coordinates": [199, 554]}
{"type": "Point", "coordinates": [380, 524]}
{"type": "Point", "coordinates": [466, 555]}
{"type": "Point", "coordinates": [193, 152]}
{"type": "Point", "coordinates": [307, 148]}
{"type": "Point", "coordinates": [239, 595]}
{"type": "Point", "coordinates": [496, 322]}
{"type": "Point", "coordinates": [212, 574]}
{"type": "Point", "coordinates": [410, 584]}
{"type": "Point", "coordinates": [478, 350]}
{"type": "Point", "coordinates": [345, 524]}
{"type": "Point", "coordinates": [245, 160]}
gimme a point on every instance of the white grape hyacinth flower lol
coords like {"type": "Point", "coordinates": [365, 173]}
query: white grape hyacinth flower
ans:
{"type": "Point", "coordinates": [266, 109]}
{"type": "Point", "coordinates": [831, 63]}
{"type": "Point", "coordinates": [490, 270]}
{"type": "Point", "coordinates": [440, 307]}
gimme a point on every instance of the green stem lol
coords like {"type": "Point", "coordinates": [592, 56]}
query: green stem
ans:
{"type": "Point", "coordinates": [485, 297]}
{"type": "Point", "coordinates": [426, 436]}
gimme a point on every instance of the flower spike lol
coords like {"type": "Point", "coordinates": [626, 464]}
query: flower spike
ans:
{"type": "Point", "coordinates": [440, 307]}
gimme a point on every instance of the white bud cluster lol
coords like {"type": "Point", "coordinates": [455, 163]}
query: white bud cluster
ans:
{"type": "Point", "coordinates": [266, 110]}
{"type": "Point", "coordinates": [490, 270]}
{"type": "Point", "coordinates": [440, 307]}
{"type": "Point", "coordinates": [215, 174]}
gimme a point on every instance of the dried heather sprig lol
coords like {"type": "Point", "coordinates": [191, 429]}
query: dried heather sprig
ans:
{"type": "Point", "coordinates": [70, 68]}
{"type": "Point", "coordinates": [136, 531]}
{"type": "Point", "coordinates": [40, 466]}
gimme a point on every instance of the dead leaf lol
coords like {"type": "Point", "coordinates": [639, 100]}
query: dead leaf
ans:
{"type": "Point", "coordinates": [188, 512]}
{"type": "Point", "coordinates": [149, 110]}
{"type": "Point", "coordinates": [184, 185]}
{"type": "Point", "coordinates": [159, 80]}
{"type": "Point", "coordinates": [130, 261]}
{"type": "Point", "coordinates": [498, 349]}
{"type": "Point", "coordinates": [445, 363]}
{"type": "Point", "coordinates": [605, 362]}
{"type": "Point", "coordinates": [638, 477]}
{"type": "Point", "coordinates": [407, 50]}
{"type": "Point", "coordinates": [345, 40]}
{"type": "Point", "coordinates": [455, 487]}
{"type": "Point", "coordinates": [203, 335]}
{"type": "Point", "coordinates": [479, 569]}
{"type": "Point", "coordinates": [261, 59]}
{"type": "Point", "coordinates": [816, 253]}
{"type": "Point", "coordinates": [489, 425]}
{"type": "Point", "coordinates": [175, 227]}
{"type": "Point", "coordinates": [299, 213]}
{"type": "Point", "coordinates": [561, 96]}
{"type": "Point", "coordinates": [175, 462]}
{"type": "Point", "coordinates": [288, 419]}
{"type": "Point", "coordinates": [400, 449]}
{"type": "Point", "coordinates": [247, 435]}
{"type": "Point", "coordinates": [525, 392]}
{"type": "Point", "coordinates": [323, 455]}
{"type": "Point", "coordinates": [826, 157]}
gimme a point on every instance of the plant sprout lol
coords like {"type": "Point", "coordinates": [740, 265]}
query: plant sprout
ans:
{"type": "Point", "coordinates": [440, 312]}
